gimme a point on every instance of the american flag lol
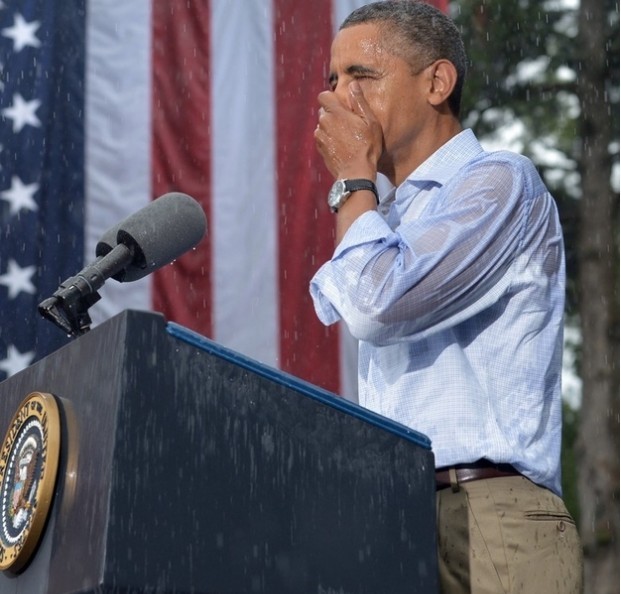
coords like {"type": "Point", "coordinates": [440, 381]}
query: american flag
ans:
{"type": "Point", "coordinates": [41, 168]}
{"type": "Point", "coordinates": [107, 105]}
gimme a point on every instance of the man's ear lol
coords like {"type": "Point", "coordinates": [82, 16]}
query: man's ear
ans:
{"type": "Point", "coordinates": [443, 80]}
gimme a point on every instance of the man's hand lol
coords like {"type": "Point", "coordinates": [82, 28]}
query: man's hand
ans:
{"type": "Point", "coordinates": [350, 140]}
{"type": "Point", "coordinates": [348, 137]}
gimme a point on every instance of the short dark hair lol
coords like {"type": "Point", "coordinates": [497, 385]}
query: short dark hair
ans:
{"type": "Point", "coordinates": [421, 34]}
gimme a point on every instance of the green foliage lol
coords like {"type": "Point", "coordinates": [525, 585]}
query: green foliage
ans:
{"type": "Point", "coordinates": [520, 62]}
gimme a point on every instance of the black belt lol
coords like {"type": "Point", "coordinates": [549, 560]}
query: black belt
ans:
{"type": "Point", "coordinates": [464, 473]}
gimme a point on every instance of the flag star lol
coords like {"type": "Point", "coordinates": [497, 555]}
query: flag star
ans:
{"type": "Point", "coordinates": [22, 33]}
{"type": "Point", "coordinates": [22, 112]}
{"type": "Point", "coordinates": [15, 361]}
{"type": "Point", "coordinates": [18, 279]}
{"type": "Point", "coordinates": [20, 195]}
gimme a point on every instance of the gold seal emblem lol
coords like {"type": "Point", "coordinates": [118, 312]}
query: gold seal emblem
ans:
{"type": "Point", "coordinates": [28, 466]}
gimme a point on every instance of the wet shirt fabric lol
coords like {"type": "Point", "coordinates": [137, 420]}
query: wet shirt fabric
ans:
{"type": "Point", "coordinates": [455, 290]}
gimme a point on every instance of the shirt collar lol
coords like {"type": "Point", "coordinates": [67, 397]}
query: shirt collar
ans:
{"type": "Point", "coordinates": [442, 165]}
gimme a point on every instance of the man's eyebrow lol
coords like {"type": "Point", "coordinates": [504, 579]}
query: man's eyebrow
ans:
{"type": "Point", "coordinates": [354, 69]}
{"type": "Point", "coordinates": [360, 69]}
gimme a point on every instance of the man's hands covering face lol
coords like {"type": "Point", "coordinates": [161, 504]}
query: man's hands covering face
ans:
{"type": "Point", "coordinates": [348, 136]}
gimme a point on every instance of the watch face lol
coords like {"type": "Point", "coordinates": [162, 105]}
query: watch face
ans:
{"type": "Point", "coordinates": [342, 189]}
{"type": "Point", "coordinates": [337, 194]}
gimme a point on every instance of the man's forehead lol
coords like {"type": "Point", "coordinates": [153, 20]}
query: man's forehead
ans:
{"type": "Point", "coordinates": [360, 42]}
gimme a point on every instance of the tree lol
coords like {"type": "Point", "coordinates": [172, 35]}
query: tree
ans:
{"type": "Point", "coordinates": [544, 80]}
{"type": "Point", "coordinates": [598, 436]}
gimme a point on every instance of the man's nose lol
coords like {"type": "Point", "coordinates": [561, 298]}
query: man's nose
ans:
{"type": "Point", "coordinates": [341, 90]}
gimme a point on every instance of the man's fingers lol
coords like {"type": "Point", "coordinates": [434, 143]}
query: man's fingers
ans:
{"type": "Point", "coordinates": [328, 100]}
{"type": "Point", "coordinates": [358, 103]}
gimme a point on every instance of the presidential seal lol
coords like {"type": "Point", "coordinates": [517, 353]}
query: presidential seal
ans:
{"type": "Point", "coordinates": [28, 466]}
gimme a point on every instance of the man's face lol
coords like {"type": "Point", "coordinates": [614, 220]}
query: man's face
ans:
{"type": "Point", "coordinates": [395, 95]}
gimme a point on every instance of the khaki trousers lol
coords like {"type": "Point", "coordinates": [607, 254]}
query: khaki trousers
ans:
{"type": "Point", "coordinates": [506, 535]}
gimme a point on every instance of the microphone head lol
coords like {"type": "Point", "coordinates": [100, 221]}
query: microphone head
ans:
{"type": "Point", "coordinates": [157, 234]}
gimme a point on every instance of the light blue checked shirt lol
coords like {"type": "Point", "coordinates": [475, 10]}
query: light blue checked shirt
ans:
{"type": "Point", "coordinates": [455, 290]}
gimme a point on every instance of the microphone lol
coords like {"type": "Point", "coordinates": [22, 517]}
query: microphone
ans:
{"type": "Point", "coordinates": [137, 246]}
{"type": "Point", "coordinates": [155, 235]}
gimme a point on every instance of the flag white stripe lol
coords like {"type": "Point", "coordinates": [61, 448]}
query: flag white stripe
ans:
{"type": "Point", "coordinates": [243, 227]}
{"type": "Point", "coordinates": [118, 133]}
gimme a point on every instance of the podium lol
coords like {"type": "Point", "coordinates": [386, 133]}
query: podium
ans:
{"type": "Point", "coordinates": [185, 467]}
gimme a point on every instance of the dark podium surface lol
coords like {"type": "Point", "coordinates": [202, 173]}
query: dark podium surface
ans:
{"type": "Point", "coordinates": [188, 468]}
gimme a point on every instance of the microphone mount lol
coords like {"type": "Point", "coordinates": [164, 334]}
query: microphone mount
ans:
{"type": "Point", "coordinates": [68, 306]}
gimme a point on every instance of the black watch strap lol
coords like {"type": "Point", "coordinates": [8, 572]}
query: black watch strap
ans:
{"type": "Point", "coordinates": [351, 185]}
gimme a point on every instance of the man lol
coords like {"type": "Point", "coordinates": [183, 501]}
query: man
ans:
{"type": "Point", "coordinates": [454, 285]}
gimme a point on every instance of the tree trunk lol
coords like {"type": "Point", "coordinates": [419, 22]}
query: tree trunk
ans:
{"type": "Point", "coordinates": [598, 433]}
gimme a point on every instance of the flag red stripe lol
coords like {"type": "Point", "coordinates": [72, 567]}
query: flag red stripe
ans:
{"type": "Point", "coordinates": [303, 34]}
{"type": "Point", "coordinates": [181, 149]}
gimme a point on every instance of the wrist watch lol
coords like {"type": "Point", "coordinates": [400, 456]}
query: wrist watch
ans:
{"type": "Point", "coordinates": [342, 189]}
